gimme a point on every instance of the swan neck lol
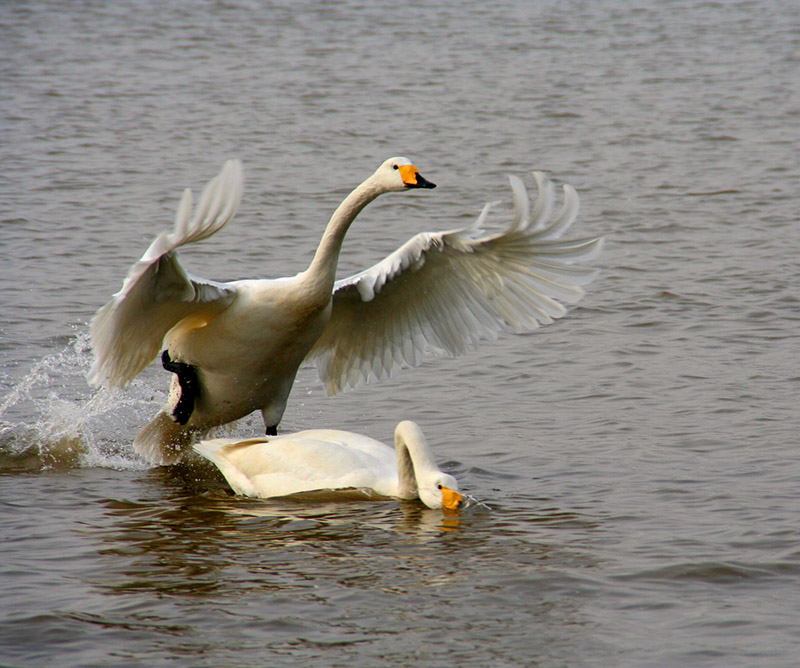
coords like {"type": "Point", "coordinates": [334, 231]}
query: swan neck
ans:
{"type": "Point", "coordinates": [406, 477]}
{"type": "Point", "coordinates": [323, 266]}
{"type": "Point", "coordinates": [413, 458]}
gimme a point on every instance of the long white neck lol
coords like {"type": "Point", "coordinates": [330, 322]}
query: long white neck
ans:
{"type": "Point", "coordinates": [322, 271]}
{"type": "Point", "coordinates": [413, 458]}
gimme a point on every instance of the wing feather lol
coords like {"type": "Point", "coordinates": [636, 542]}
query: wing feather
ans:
{"type": "Point", "coordinates": [443, 292]}
{"type": "Point", "coordinates": [157, 294]}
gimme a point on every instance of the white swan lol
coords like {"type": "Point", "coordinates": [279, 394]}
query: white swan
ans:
{"type": "Point", "coordinates": [329, 459]}
{"type": "Point", "coordinates": [236, 347]}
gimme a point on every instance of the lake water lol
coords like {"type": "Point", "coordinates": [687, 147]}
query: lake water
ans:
{"type": "Point", "coordinates": [639, 458]}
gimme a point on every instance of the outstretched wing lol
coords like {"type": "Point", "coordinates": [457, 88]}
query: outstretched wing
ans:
{"type": "Point", "coordinates": [157, 294]}
{"type": "Point", "coordinates": [445, 291]}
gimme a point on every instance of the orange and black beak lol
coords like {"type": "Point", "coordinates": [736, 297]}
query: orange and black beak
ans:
{"type": "Point", "coordinates": [413, 179]}
{"type": "Point", "coordinates": [451, 499]}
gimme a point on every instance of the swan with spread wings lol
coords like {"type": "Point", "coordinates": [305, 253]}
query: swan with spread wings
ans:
{"type": "Point", "coordinates": [236, 347]}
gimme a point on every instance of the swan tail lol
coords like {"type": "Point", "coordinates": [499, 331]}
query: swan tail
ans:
{"type": "Point", "coordinates": [210, 449]}
{"type": "Point", "coordinates": [163, 441]}
{"type": "Point", "coordinates": [217, 450]}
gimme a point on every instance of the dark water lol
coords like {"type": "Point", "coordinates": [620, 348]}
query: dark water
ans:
{"type": "Point", "coordinates": [639, 458]}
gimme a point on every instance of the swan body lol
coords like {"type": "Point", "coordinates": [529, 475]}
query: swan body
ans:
{"type": "Point", "coordinates": [236, 347]}
{"type": "Point", "coordinates": [330, 459]}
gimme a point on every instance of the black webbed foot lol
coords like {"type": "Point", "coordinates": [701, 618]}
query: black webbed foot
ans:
{"type": "Point", "coordinates": [187, 379]}
{"type": "Point", "coordinates": [272, 430]}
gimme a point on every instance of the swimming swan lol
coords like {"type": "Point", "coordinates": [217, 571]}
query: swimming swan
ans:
{"type": "Point", "coordinates": [329, 459]}
{"type": "Point", "coordinates": [236, 347]}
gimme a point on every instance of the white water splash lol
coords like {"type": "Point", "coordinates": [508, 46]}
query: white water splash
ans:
{"type": "Point", "coordinates": [474, 503]}
{"type": "Point", "coordinates": [53, 414]}
{"type": "Point", "coordinates": [52, 418]}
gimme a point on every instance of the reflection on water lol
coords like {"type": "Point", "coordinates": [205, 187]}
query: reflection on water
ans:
{"type": "Point", "coordinates": [302, 575]}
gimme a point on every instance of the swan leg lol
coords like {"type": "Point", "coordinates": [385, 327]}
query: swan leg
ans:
{"type": "Point", "coordinates": [187, 379]}
{"type": "Point", "coordinates": [272, 415]}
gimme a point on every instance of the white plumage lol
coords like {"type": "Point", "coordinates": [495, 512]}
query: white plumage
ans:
{"type": "Point", "coordinates": [330, 459]}
{"type": "Point", "coordinates": [245, 340]}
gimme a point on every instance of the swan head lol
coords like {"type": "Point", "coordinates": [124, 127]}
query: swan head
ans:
{"type": "Point", "coordinates": [441, 492]}
{"type": "Point", "coordinates": [397, 174]}
{"type": "Point", "coordinates": [418, 472]}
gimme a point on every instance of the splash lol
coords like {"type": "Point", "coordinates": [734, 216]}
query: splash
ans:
{"type": "Point", "coordinates": [474, 503]}
{"type": "Point", "coordinates": [51, 418]}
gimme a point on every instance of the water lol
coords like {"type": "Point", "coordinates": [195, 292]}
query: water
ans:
{"type": "Point", "coordinates": [639, 457]}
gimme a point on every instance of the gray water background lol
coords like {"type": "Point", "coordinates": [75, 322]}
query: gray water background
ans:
{"type": "Point", "coordinates": [639, 457]}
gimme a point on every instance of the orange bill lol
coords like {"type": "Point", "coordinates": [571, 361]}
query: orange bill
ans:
{"type": "Point", "coordinates": [413, 179]}
{"type": "Point", "coordinates": [451, 499]}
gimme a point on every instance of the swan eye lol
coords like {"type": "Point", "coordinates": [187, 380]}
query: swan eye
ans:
{"type": "Point", "coordinates": [395, 166]}
{"type": "Point", "coordinates": [439, 486]}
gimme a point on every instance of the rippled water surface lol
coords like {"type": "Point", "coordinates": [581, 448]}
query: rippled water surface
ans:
{"type": "Point", "coordinates": [638, 459]}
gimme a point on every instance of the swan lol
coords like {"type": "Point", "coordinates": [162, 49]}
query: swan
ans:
{"type": "Point", "coordinates": [236, 347]}
{"type": "Point", "coordinates": [330, 459]}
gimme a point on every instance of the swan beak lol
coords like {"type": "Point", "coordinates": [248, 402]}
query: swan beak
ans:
{"type": "Point", "coordinates": [413, 179]}
{"type": "Point", "coordinates": [451, 500]}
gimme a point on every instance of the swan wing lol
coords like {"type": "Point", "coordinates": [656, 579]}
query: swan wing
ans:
{"type": "Point", "coordinates": [157, 294]}
{"type": "Point", "coordinates": [445, 291]}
